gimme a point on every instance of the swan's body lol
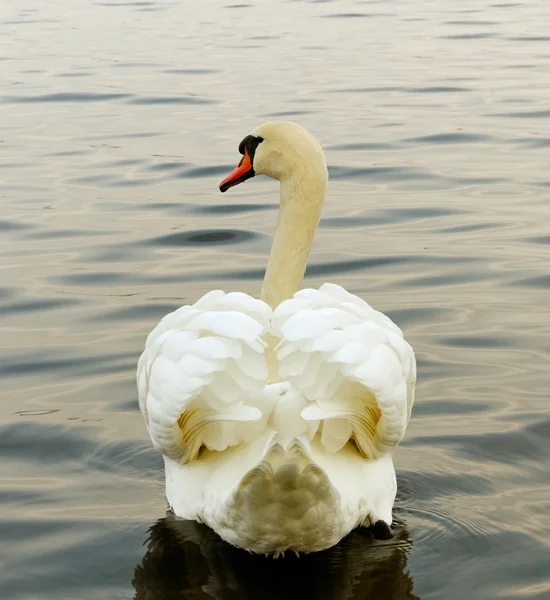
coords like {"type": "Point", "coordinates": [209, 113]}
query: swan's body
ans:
{"type": "Point", "coordinates": [277, 418]}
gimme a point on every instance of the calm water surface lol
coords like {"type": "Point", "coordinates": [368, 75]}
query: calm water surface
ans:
{"type": "Point", "coordinates": [117, 120]}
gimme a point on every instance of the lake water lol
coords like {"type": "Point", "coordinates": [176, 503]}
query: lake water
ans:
{"type": "Point", "coordinates": [118, 119]}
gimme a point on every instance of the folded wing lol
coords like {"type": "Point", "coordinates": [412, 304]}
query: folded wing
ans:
{"type": "Point", "coordinates": [352, 365]}
{"type": "Point", "coordinates": [202, 373]}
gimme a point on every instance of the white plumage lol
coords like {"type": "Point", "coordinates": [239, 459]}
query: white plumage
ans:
{"type": "Point", "coordinates": [277, 419]}
{"type": "Point", "coordinates": [202, 374]}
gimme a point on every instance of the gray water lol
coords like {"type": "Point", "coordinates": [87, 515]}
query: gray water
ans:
{"type": "Point", "coordinates": [118, 119]}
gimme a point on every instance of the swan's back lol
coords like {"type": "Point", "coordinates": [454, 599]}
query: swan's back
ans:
{"type": "Point", "coordinates": [317, 445]}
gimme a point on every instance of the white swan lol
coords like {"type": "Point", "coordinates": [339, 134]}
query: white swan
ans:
{"type": "Point", "coordinates": [277, 418]}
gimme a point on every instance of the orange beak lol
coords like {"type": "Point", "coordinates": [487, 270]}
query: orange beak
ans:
{"type": "Point", "coordinates": [243, 171]}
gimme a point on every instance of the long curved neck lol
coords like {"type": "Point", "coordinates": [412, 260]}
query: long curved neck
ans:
{"type": "Point", "coordinates": [302, 198]}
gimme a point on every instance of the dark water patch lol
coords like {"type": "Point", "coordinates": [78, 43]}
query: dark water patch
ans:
{"type": "Point", "coordinates": [390, 216]}
{"type": "Point", "coordinates": [532, 114]}
{"type": "Point", "coordinates": [437, 89]}
{"type": "Point", "coordinates": [347, 222]}
{"type": "Point", "coordinates": [51, 573]}
{"type": "Point", "coordinates": [448, 407]}
{"type": "Point", "coordinates": [192, 71]}
{"type": "Point", "coordinates": [379, 173]}
{"type": "Point", "coordinates": [38, 305]}
{"type": "Point", "coordinates": [200, 172]}
{"type": "Point", "coordinates": [264, 37]}
{"type": "Point", "coordinates": [477, 341]}
{"type": "Point", "coordinates": [472, 22]}
{"type": "Point", "coordinates": [287, 113]}
{"type": "Point", "coordinates": [6, 292]}
{"type": "Point", "coordinates": [59, 234]}
{"type": "Point", "coordinates": [138, 3]}
{"type": "Point", "coordinates": [64, 97]}
{"type": "Point", "coordinates": [429, 486]}
{"type": "Point", "coordinates": [479, 180]}
{"type": "Point", "coordinates": [166, 166]}
{"type": "Point", "coordinates": [9, 226]}
{"type": "Point", "coordinates": [534, 142]}
{"type": "Point", "coordinates": [103, 180]}
{"type": "Point", "coordinates": [164, 206]}
{"type": "Point", "coordinates": [449, 138]}
{"type": "Point", "coordinates": [345, 266]}
{"type": "Point", "coordinates": [40, 442]}
{"type": "Point", "coordinates": [389, 124]}
{"type": "Point", "coordinates": [446, 279]}
{"type": "Point", "coordinates": [76, 152]}
{"type": "Point", "coordinates": [363, 146]}
{"type": "Point", "coordinates": [506, 447]}
{"type": "Point", "coordinates": [152, 100]}
{"type": "Point", "coordinates": [239, 6]}
{"type": "Point", "coordinates": [520, 66]}
{"type": "Point", "coordinates": [23, 498]}
{"type": "Point", "coordinates": [469, 227]}
{"type": "Point", "coordinates": [419, 314]}
{"type": "Point", "coordinates": [468, 36]}
{"type": "Point", "coordinates": [30, 21]}
{"type": "Point", "coordinates": [541, 281]}
{"type": "Point", "coordinates": [75, 74]}
{"type": "Point", "coordinates": [138, 134]}
{"type": "Point", "coordinates": [432, 370]}
{"type": "Point", "coordinates": [367, 90]}
{"type": "Point", "coordinates": [15, 165]}
{"type": "Point", "coordinates": [360, 264]}
{"type": "Point", "coordinates": [543, 239]}
{"type": "Point", "coordinates": [354, 15]}
{"type": "Point", "coordinates": [118, 253]}
{"type": "Point", "coordinates": [539, 428]}
{"type": "Point", "coordinates": [152, 8]}
{"type": "Point", "coordinates": [206, 237]}
{"type": "Point", "coordinates": [530, 38]}
{"type": "Point", "coordinates": [33, 364]}
{"type": "Point", "coordinates": [229, 209]}
{"type": "Point", "coordinates": [359, 567]}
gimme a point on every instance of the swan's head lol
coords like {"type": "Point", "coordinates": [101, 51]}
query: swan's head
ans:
{"type": "Point", "coordinates": [281, 150]}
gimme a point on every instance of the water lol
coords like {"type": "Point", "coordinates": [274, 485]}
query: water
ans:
{"type": "Point", "coordinates": [118, 119]}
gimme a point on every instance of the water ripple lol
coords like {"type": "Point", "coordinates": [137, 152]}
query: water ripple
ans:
{"type": "Point", "coordinates": [433, 119]}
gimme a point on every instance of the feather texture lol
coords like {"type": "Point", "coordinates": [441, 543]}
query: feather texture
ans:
{"type": "Point", "coordinates": [202, 374]}
{"type": "Point", "coordinates": [351, 363]}
{"type": "Point", "coordinates": [229, 438]}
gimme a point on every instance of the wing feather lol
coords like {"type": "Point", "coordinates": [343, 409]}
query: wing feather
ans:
{"type": "Point", "coordinates": [352, 365]}
{"type": "Point", "coordinates": [202, 374]}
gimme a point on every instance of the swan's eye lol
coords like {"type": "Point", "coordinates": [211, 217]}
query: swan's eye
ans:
{"type": "Point", "coordinates": [260, 139]}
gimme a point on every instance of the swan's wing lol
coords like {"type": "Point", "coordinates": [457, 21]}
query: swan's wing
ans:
{"type": "Point", "coordinates": [351, 363]}
{"type": "Point", "coordinates": [202, 373]}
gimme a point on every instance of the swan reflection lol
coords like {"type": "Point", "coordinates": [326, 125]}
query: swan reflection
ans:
{"type": "Point", "coordinates": [187, 560]}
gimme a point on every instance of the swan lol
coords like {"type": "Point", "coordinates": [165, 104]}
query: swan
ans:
{"type": "Point", "coordinates": [277, 417]}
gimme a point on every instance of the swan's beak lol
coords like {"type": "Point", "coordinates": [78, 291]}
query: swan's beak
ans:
{"type": "Point", "coordinates": [242, 172]}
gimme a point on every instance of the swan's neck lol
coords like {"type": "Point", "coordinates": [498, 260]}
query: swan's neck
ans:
{"type": "Point", "coordinates": [302, 198]}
